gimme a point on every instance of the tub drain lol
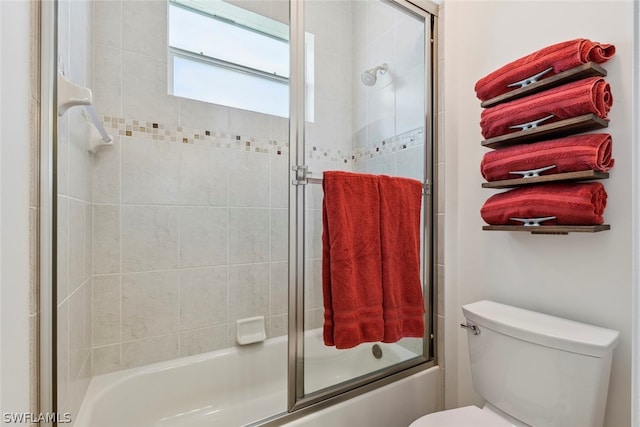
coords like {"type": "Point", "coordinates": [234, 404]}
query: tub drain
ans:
{"type": "Point", "coordinates": [377, 351]}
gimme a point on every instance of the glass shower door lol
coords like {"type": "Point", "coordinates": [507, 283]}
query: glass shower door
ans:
{"type": "Point", "coordinates": [367, 86]}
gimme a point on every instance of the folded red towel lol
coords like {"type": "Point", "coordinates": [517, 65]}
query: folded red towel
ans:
{"type": "Point", "coordinates": [570, 154]}
{"type": "Point", "coordinates": [571, 204]}
{"type": "Point", "coordinates": [591, 95]}
{"type": "Point", "coordinates": [351, 260]}
{"type": "Point", "coordinates": [400, 206]}
{"type": "Point", "coordinates": [561, 57]}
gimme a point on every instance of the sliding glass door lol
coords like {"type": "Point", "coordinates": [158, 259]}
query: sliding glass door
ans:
{"type": "Point", "coordinates": [368, 101]}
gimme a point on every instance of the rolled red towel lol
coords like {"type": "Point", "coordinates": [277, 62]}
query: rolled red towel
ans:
{"type": "Point", "coordinates": [570, 154]}
{"type": "Point", "coordinates": [571, 204]}
{"type": "Point", "coordinates": [586, 96]}
{"type": "Point", "coordinates": [560, 57]}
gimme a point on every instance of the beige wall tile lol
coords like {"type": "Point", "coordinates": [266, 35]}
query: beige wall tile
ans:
{"type": "Point", "coordinates": [248, 291]}
{"type": "Point", "coordinates": [149, 238]}
{"type": "Point", "coordinates": [143, 352]}
{"type": "Point", "coordinates": [106, 233]}
{"type": "Point", "coordinates": [106, 298]}
{"type": "Point", "coordinates": [150, 171]}
{"type": "Point", "coordinates": [144, 89]}
{"type": "Point", "coordinates": [278, 295]}
{"type": "Point", "coordinates": [77, 243]}
{"type": "Point", "coordinates": [248, 180]}
{"type": "Point", "coordinates": [203, 236]}
{"type": "Point", "coordinates": [105, 359]}
{"type": "Point", "coordinates": [203, 297]}
{"type": "Point", "coordinates": [203, 175]}
{"type": "Point", "coordinates": [144, 28]}
{"type": "Point", "coordinates": [279, 234]}
{"type": "Point", "coordinates": [203, 340]}
{"type": "Point", "coordinates": [107, 29]}
{"type": "Point", "coordinates": [150, 305]}
{"type": "Point", "coordinates": [107, 87]}
{"type": "Point", "coordinates": [248, 235]}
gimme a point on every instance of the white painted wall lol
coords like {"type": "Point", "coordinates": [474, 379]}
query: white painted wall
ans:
{"type": "Point", "coordinates": [14, 208]}
{"type": "Point", "coordinates": [585, 277]}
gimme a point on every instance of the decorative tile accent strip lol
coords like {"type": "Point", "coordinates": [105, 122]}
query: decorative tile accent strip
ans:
{"type": "Point", "coordinates": [179, 134]}
{"type": "Point", "coordinates": [221, 139]}
{"type": "Point", "coordinates": [410, 139]}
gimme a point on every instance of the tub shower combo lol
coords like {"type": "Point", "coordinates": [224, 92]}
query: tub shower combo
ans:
{"type": "Point", "coordinates": [189, 147]}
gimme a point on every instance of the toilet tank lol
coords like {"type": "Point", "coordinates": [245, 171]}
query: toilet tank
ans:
{"type": "Point", "coordinates": [542, 370]}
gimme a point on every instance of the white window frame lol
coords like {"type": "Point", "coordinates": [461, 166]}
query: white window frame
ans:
{"type": "Point", "coordinates": [176, 52]}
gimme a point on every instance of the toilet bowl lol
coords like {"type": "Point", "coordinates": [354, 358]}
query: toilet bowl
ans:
{"type": "Point", "coordinates": [527, 367]}
{"type": "Point", "coordinates": [468, 416]}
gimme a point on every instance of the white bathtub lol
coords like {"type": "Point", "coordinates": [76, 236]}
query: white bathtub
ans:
{"type": "Point", "coordinates": [240, 385]}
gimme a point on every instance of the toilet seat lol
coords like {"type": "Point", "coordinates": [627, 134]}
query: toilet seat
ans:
{"type": "Point", "coordinates": [468, 416]}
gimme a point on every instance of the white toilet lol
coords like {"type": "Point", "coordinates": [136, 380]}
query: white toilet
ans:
{"type": "Point", "coordinates": [532, 369]}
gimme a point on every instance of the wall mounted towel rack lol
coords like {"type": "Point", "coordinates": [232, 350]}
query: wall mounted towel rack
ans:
{"type": "Point", "coordinates": [542, 132]}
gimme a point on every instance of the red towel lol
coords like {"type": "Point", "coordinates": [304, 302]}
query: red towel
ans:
{"type": "Point", "coordinates": [351, 260]}
{"type": "Point", "coordinates": [570, 154]}
{"type": "Point", "coordinates": [400, 206]}
{"type": "Point", "coordinates": [561, 56]}
{"type": "Point", "coordinates": [571, 204]}
{"type": "Point", "coordinates": [591, 95]}
{"type": "Point", "coordinates": [371, 259]}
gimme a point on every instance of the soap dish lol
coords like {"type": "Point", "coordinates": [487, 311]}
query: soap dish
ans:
{"type": "Point", "coordinates": [250, 330]}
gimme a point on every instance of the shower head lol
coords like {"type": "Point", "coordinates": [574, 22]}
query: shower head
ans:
{"type": "Point", "coordinates": [369, 77]}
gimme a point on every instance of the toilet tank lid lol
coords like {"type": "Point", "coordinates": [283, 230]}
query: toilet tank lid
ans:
{"type": "Point", "coordinates": [542, 329]}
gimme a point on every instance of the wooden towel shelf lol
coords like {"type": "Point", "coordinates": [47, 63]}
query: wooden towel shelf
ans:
{"type": "Point", "coordinates": [556, 177]}
{"type": "Point", "coordinates": [559, 129]}
{"type": "Point", "coordinates": [550, 229]}
{"type": "Point", "coordinates": [590, 69]}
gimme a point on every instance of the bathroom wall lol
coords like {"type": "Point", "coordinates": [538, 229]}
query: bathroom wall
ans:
{"type": "Point", "coordinates": [190, 204]}
{"type": "Point", "coordinates": [585, 277]}
{"type": "Point", "coordinates": [75, 212]}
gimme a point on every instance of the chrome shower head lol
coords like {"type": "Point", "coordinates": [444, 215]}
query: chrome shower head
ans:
{"type": "Point", "coordinates": [369, 77]}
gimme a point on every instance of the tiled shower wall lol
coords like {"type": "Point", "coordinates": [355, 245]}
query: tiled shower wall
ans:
{"type": "Point", "coordinates": [74, 213]}
{"type": "Point", "coordinates": [192, 238]}
{"type": "Point", "coordinates": [190, 204]}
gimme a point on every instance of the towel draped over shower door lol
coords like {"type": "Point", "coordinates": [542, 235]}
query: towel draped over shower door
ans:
{"type": "Point", "coordinates": [371, 259]}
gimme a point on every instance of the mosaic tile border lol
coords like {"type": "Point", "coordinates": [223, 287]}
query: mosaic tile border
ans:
{"type": "Point", "coordinates": [387, 146]}
{"type": "Point", "coordinates": [185, 135]}
{"type": "Point", "coordinates": [224, 140]}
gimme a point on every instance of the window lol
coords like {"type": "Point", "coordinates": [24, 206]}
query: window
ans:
{"type": "Point", "coordinates": [226, 55]}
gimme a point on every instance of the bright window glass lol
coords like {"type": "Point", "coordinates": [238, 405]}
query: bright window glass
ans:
{"type": "Point", "coordinates": [231, 57]}
{"type": "Point", "coordinates": [210, 83]}
{"type": "Point", "coordinates": [214, 38]}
